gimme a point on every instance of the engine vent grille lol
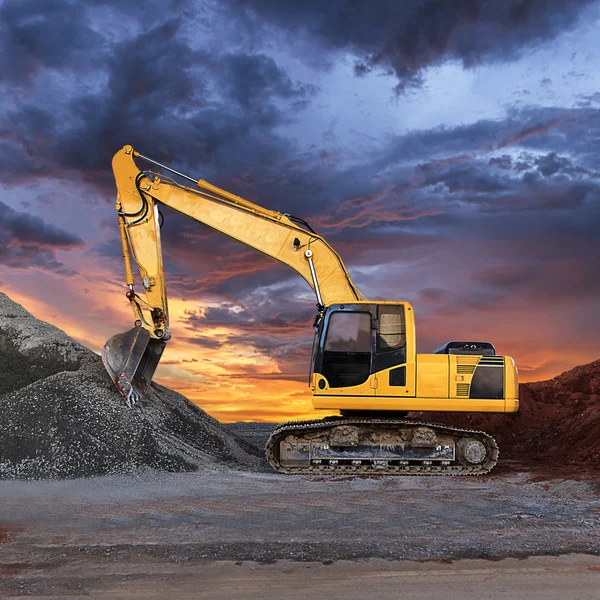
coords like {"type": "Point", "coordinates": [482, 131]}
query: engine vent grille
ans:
{"type": "Point", "coordinates": [466, 360]}
{"type": "Point", "coordinates": [462, 389]}
{"type": "Point", "coordinates": [465, 369]}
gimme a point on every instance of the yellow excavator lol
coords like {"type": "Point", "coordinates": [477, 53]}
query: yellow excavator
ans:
{"type": "Point", "coordinates": [364, 362]}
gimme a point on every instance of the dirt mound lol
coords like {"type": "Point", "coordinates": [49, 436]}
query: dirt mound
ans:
{"type": "Point", "coordinates": [558, 420]}
{"type": "Point", "coordinates": [62, 417]}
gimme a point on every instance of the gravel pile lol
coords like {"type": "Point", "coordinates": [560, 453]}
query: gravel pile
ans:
{"type": "Point", "coordinates": [61, 416]}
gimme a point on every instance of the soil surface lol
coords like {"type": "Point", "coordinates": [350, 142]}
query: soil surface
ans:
{"type": "Point", "coordinates": [538, 578]}
{"type": "Point", "coordinates": [79, 535]}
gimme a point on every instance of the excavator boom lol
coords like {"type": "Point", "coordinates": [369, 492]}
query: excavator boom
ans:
{"type": "Point", "coordinates": [132, 357]}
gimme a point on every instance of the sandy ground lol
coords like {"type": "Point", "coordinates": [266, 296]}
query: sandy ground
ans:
{"type": "Point", "coordinates": [537, 578]}
{"type": "Point", "coordinates": [222, 531]}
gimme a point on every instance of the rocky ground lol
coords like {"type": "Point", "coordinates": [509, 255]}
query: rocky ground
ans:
{"type": "Point", "coordinates": [82, 536]}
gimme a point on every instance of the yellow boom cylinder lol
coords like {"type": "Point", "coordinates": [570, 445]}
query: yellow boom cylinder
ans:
{"type": "Point", "coordinates": [129, 280]}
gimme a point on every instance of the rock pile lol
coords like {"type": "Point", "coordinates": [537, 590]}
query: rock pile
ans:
{"type": "Point", "coordinates": [60, 415]}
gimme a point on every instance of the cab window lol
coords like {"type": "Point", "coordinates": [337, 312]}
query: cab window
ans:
{"type": "Point", "coordinates": [349, 332]}
{"type": "Point", "coordinates": [347, 349]}
{"type": "Point", "coordinates": [392, 329]}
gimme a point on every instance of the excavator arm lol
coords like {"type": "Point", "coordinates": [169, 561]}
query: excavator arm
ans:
{"type": "Point", "coordinates": [132, 357]}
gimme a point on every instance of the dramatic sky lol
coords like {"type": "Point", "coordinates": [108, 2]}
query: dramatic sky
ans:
{"type": "Point", "coordinates": [449, 150]}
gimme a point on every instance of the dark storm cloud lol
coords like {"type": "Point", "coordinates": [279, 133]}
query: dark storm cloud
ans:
{"type": "Point", "coordinates": [158, 96]}
{"type": "Point", "coordinates": [534, 127]}
{"type": "Point", "coordinates": [432, 295]}
{"type": "Point", "coordinates": [396, 205]}
{"type": "Point", "coordinates": [559, 281]}
{"type": "Point", "coordinates": [547, 165]}
{"type": "Point", "coordinates": [205, 342]}
{"type": "Point", "coordinates": [55, 35]}
{"type": "Point", "coordinates": [398, 186]}
{"type": "Point", "coordinates": [27, 229]}
{"type": "Point", "coordinates": [27, 241]}
{"type": "Point", "coordinates": [407, 37]}
{"type": "Point", "coordinates": [215, 112]}
{"type": "Point", "coordinates": [587, 100]}
{"type": "Point", "coordinates": [468, 176]}
{"type": "Point", "coordinates": [508, 277]}
{"type": "Point", "coordinates": [541, 260]}
{"type": "Point", "coordinates": [246, 79]}
{"type": "Point", "coordinates": [217, 265]}
{"type": "Point", "coordinates": [551, 163]}
{"type": "Point", "coordinates": [537, 183]}
{"type": "Point", "coordinates": [501, 162]}
{"type": "Point", "coordinates": [260, 314]}
{"type": "Point", "coordinates": [155, 97]}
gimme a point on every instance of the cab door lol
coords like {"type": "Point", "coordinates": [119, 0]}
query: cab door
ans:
{"type": "Point", "coordinates": [344, 367]}
{"type": "Point", "coordinates": [394, 363]}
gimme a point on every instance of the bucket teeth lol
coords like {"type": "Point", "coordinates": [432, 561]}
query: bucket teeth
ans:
{"type": "Point", "coordinates": [129, 392]}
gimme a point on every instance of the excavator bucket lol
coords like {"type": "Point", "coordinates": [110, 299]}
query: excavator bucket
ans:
{"type": "Point", "coordinates": [131, 359]}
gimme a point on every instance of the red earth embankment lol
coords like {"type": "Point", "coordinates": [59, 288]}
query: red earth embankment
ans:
{"type": "Point", "coordinates": [558, 420]}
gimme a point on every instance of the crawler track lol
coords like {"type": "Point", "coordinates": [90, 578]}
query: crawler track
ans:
{"type": "Point", "coordinates": [379, 446]}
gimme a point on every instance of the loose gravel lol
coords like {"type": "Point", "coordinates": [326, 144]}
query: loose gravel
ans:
{"type": "Point", "coordinates": [63, 418]}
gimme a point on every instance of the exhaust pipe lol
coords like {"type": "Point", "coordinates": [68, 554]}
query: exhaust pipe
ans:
{"type": "Point", "coordinates": [131, 359]}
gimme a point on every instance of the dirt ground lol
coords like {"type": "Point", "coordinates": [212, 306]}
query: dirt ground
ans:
{"type": "Point", "coordinates": [538, 578]}
{"type": "Point", "coordinates": [102, 535]}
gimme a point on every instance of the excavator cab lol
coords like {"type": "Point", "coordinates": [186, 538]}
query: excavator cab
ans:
{"type": "Point", "coordinates": [364, 347]}
{"type": "Point", "coordinates": [365, 361]}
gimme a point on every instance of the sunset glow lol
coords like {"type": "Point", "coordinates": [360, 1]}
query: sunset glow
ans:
{"type": "Point", "coordinates": [457, 173]}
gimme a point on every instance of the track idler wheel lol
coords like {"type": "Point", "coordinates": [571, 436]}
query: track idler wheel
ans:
{"type": "Point", "coordinates": [471, 451]}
